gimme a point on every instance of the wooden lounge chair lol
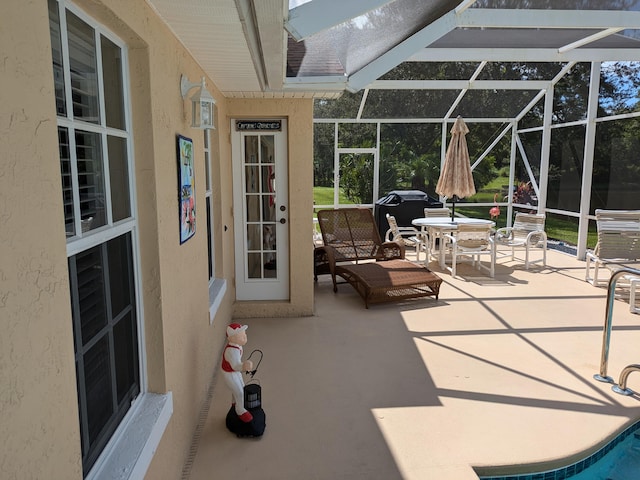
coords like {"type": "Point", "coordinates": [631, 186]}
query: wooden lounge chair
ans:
{"type": "Point", "coordinates": [618, 242]}
{"type": "Point", "coordinates": [354, 251]}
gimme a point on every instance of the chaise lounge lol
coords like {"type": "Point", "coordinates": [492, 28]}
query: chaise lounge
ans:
{"type": "Point", "coordinates": [353, 250]}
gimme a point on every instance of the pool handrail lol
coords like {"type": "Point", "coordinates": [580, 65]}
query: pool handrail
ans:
{"type": "Point", "coordinates": [606, 334]}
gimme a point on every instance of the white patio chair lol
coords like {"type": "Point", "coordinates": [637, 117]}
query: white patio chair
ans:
{"type": "Point", "coordinates": [618, 242]}
{"type": "Point", "coordinates": [472, 240]}
{"type": "Point", "coordinates": [526, 233]}
{"type": "Point", "coordinates": [409, 236]}
{"type": "Point", "coordinates": [437, 212]}
{"type": "Point", "coordinates": [432, 242]}
{"type": "Point", "coordinates": [317, 235]}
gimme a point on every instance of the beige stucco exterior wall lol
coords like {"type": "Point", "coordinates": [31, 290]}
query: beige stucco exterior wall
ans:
{"type": "Point", "coordinates": [38, 414]}
{"type": "Point", "coordinates": [39, 437]}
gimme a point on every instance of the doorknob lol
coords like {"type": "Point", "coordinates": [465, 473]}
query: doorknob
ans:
{"type": "Point", "coordinates": [283, 220]}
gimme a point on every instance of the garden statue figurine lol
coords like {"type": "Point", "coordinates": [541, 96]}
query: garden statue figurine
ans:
{"type": "Point", "coordinates": [233, 366]}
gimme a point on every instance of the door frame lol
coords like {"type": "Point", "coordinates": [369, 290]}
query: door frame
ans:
{"type": "Point", "coordinates": [249, 286]}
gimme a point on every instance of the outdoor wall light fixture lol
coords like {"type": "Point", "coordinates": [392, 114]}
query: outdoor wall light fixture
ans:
{"type": "Point", "coordinates": [202, 104]}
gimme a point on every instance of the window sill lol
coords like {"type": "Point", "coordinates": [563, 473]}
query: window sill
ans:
{"type": "Point", "coordinates": [132, 447]}
{"type": "Point", "coordinates": [217, 289]}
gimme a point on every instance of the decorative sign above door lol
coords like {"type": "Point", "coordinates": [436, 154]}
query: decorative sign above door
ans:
{"type": "Point", "coordinates": [253, 125]}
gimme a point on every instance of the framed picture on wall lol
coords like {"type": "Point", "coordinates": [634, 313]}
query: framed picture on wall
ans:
{"type": "Point", "coordinates": [186, 188]}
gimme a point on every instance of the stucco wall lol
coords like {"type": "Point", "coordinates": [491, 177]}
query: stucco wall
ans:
{"type": "Point", "coordinates": [38, 414]}
{"type": "Point", "coordinates": [39, 437]}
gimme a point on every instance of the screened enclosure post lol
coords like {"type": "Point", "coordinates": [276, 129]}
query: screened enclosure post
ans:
{"type": "Point", "coordinates": [336, 167]}
{"type": "Point", "coordinates": [443, 152]}
{"type": "Point", "coordinates": [544, 153]}
{"type": "Point", "coordinates": [512, 173]}
{"type": "Point", "coordinates": [587, 161]}
{"type": "Point", "coordinates": [376, 167]}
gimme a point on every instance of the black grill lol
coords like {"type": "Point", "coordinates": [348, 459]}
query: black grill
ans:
{"type": "Point", "coordinates": [405, 205]}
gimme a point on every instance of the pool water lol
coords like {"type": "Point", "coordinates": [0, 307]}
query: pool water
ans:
{"type": "Point", "coordinates": [618, 460]}
{"type": "Point", "coordinates": [621, 463]}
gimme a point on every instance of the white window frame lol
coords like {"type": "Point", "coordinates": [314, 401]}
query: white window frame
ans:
{"type": "Point", "coordinates": [217, 286]}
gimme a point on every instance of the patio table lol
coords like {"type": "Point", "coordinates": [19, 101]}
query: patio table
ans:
{"type": "Point", "coordinates": [435, 227]}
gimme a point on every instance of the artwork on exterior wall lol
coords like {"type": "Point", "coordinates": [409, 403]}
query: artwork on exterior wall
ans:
{"type": "Point", "coordinates": [186, 188]}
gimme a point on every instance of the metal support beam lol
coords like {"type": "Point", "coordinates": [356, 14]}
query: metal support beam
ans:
{"type": "Point", "coordinates": [540, 19]}
{"type": "Point", "coordinates": [587, 161]}
{"type": "Point", "coordinates": [544, 151]}
{"type": "Point", "coordinates": [589, 39]}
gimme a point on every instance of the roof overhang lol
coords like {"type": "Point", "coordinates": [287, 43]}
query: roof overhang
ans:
{"type": "Point", "coordinates": [244, 45]}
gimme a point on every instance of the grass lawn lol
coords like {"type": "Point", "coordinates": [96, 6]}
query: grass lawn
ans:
{"type": "Point", "coordinates": [324, 196]}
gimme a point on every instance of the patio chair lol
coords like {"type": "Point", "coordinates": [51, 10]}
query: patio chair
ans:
{"type": "Point", "coordinates": [472, 240]}
{"type": "Point", "coordinates": [618, 242]}
{"type": "Point", "coordinates": [431, 241]}
{"type": "Point", "coordinates": [410, 236]}
{"type": "Point", "coordinates": [377, 270]}
{"type": "Point", "coordinates": [526, 233]}
{"type": "Point", "coordinates": [437, 212]}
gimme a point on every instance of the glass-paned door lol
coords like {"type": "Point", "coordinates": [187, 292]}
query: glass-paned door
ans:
{"type": "Point", "coordinates": [261, 227]}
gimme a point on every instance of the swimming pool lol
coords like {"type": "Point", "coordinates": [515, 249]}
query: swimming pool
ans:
{"type": "Point", "coordinates": [618, 460]}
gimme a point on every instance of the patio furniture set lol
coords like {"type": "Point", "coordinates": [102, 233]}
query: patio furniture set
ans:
{"type": "Point", "coordinates": [353, 250]}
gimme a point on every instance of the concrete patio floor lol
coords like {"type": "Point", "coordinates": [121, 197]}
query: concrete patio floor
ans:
{"type": "Point", "coordinates": [496, 372]}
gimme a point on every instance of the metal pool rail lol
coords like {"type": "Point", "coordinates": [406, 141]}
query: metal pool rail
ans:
{"type": "Point", "coordinates": [620, 387]}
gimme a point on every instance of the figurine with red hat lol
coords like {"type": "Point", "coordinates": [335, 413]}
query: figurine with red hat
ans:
{"type": "Point", "coordinates": [233, 366]}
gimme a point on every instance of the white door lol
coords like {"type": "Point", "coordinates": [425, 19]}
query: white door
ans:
{"type": "Point", "coordinates": [261, 209]}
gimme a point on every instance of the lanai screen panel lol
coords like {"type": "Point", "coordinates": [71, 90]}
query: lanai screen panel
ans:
{"type": "Point", "coordinates": [534, 117]}
{"type": "Point", "coordinates": [619, 92]}
{"type": "Point", "coordinates": [616, 169]}
{"type": "Point", "coordinates": [571, 95]}
{"type": "Point", "coordinates": [432, 71]}
{"type": "Point", "coordinates": [344, 107]}
{"type": "Point", "coordinates": [409, 156]}
{"type": "Point", "coordinates": [494, 103]}
{"type": "Point", "coordinates": [408, 104]}
{"type": "Point", "coordinates": [520, 70]}
{"type": "Point", "coordinates": [360, 40]}
{"type": "Point", "coordinates": [566, 156]}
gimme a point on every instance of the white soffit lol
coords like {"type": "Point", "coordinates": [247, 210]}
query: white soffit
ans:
{"type": "Point", "coordinates": [213, 34]}
{"type": "Point", "coordinates": [270, 16]}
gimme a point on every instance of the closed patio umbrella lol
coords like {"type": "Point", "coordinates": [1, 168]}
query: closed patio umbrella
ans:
{"type": "Point", "coordinates": [456, 179]}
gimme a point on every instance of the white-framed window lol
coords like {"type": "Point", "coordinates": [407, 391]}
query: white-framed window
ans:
{"type": "Point", "coordinates": [95, 146]}
{"type": "Point", "coordinates": [217, 286]}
